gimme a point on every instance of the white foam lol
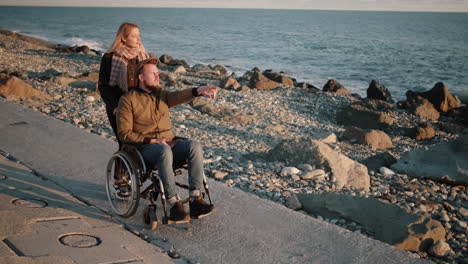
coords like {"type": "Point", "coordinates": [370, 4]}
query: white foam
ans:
{"type": "Point", "coordinates": [92, 44]}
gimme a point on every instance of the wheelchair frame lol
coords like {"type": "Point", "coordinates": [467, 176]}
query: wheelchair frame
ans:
{"type": "Point", "coordinates": [133, 172]}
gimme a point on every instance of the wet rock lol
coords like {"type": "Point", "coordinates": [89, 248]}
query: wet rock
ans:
{"type": "Point", "coordinates": [360, 116]}
{"type": "Point", "coordinates": [335, 87]}
{"type": "Point", "coordinates": [375, 138]}
{"type": "Point", "coordinates": [439, 96]}
{"type": "Point", "coordinates": [260, 82]}
{"type": "Point", "coordinates": [422, 132]}
{"type": "Point", "coordinates": [442, 162]}
{"type": "Point", "coordinates": [378, 91]}
{"type": "Point", "coordinates": [345, 171]}
{"type": "Point", "coordinates": [387, 222]}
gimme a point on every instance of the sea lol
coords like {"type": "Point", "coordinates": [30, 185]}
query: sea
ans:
{"type": "Point", "coordinates": [401, 50]}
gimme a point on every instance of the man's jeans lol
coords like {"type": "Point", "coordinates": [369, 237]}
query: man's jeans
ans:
{"type": "Point", "coordinates": [164, 156]}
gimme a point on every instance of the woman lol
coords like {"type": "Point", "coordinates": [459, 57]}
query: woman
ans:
{"type": "Point", "coordinates": [116, 74]}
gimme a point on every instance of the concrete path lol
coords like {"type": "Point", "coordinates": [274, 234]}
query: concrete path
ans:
{"type": "Point", "coordinates": [42, 223]}
{"type": "Point", "coordinates": [245, 229]}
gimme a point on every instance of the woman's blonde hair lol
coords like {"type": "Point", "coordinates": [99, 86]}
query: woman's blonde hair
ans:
{"type": "Point", "coordinates": [123, 32]}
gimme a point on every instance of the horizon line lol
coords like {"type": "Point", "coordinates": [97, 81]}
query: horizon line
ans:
{"type": "Point", "coordinates": [245, 8]}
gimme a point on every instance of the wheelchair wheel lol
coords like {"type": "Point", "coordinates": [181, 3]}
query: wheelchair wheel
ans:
{"type": "Point", "coordinates": [122, 184]}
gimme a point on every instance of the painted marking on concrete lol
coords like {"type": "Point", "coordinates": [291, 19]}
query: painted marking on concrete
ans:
{"type": "Point", "coordinates": [130, 261]}
{"type": "Point", "coordinates": [79, 240]}
{"type": "Point", "coordinates": [19, 123]}
{"type": "Point", "coordinates": [52, 219]}
{"type": "Point", "coordinates": [29, 202]}
{"type": "Point", "coordinates": [12, 247]}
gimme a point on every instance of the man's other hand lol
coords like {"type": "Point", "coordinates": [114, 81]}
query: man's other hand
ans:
{"type": "Point", "coordinates": [208, 90]}
{"type": "Point", "coordinates": [162, 141]}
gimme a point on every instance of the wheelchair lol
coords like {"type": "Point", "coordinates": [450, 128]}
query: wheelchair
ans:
{"type": "Point", "coordinates": [125, 175]}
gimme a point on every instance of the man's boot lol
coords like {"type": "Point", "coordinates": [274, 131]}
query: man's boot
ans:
{"type": "Point", "coordinates": [199, 208]}
{"type": "Point", "coordinates": [177, 214]}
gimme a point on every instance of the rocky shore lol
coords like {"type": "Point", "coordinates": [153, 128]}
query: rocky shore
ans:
{"type": "Point", "coordinates": [394, 171]}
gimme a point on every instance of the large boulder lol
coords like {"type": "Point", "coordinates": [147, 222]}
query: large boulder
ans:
{"type": "Point", "coordinates": [378, 91]}
{"type": "Point", "coordinates": [278, 77]}
{"type": "Point", "coordinates": [420, 106]}
{"type": "Point", "coordinates": [345, 172]}
{"type": "Point", "coordinates": [230, 83]}
{"type": "Point", "coordinates": [363, 117]}
{"type": "Point", "coordinates": [375, 138]}
{"type": "Point", "coordinates": [459, 114]}
{"type": "Point", "coordinates": [235, 116]}
{"type": "Point", "coordinates": [219, 68]}
{"type": "Point", "coordinates": [16, 87]}
{"type": "Point", "coordinates": [377, 105]}
{"type": "Point", "coordinates": [168, 60]}
{"type": "Point", "coordinates": [335, 87]}
{"type": "Point", "coordinates": [422, 132]}
{"type": "Point", "coordinates": [259, 81]}
{"type": "Point", "coordinates": [305, 85]}
{"type": "Point", "coordinates": [387, 222]}
{"type": "Point", "coordinates": [439, 96]}
{"type": "Point", "coordinates": [446, 162]}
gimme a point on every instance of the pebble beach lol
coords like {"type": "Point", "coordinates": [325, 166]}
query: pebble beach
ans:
{"type": "Point", "coordinates": [240, 129]}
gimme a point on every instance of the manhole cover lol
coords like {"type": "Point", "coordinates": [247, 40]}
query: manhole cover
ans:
{"type": "Point", "coordinates": [79, 240]}
{"type": "Point", "coordinates": [29, 202]}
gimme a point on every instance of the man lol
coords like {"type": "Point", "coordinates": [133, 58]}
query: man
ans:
{"type": "Point", "coordinates": [143, 119]}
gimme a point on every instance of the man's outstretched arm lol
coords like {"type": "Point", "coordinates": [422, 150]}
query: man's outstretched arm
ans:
{"type": "Point", "coordinates": [180, 97]}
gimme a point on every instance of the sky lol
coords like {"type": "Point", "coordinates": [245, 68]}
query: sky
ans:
{"type": "Point", "coordinates": [380, 5]}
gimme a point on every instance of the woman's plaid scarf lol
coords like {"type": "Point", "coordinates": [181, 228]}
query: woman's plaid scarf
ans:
{"type": "Point", "coordinates": [118, 76]}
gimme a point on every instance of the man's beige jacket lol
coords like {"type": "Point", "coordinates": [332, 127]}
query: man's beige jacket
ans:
{"type": "Point", "coordinates": [143, 115]}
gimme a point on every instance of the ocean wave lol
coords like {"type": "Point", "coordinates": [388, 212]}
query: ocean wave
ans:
{"type": "Point", "coordinates": [73, 41]}
{"type": "Point", "coordinates": [92, 44]}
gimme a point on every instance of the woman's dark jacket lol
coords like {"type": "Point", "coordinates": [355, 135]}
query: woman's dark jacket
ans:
{"type": "Point", "coordinates": [111, 94]}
